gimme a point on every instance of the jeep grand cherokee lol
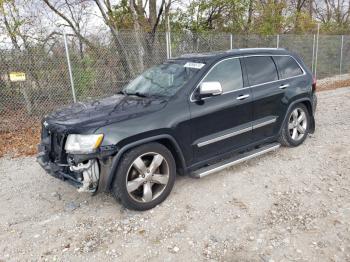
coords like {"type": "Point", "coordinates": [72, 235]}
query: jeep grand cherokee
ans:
{"type": "Point", "coordinates": [193, 115]}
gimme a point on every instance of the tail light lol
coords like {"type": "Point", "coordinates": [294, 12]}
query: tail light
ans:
{"type": "Point", "coordinates": [314, 84]}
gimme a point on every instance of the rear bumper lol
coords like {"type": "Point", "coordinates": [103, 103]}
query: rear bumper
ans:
{"type": "Point", "coordinates": [314, 103]}
{"type": "Point", "coordinates": [312, 116]}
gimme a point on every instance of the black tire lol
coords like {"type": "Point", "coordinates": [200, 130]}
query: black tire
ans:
{"type": "Point", "coordinates": [285, 137]}
{"type": "Point", "coordinates": [119, 187]}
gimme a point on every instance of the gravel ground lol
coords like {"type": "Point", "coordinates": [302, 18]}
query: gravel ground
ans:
{"type": "Point", "coordinates": [289, 205]}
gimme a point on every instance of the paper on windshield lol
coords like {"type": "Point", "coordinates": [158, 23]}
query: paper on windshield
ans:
{"type": "Point", "coordinates": [194, 65]}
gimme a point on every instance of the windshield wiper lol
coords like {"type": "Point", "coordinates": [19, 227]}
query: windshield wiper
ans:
{"type": "Point", "coordinates": [142, 94]}
{"type": "Point", "coordinates": [122, 92]}
{"type": "Point", "coordinates": [136, 94]}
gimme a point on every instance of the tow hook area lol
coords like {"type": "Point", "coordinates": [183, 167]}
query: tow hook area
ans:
{"type": "Point", "coordinates": [91, 175]}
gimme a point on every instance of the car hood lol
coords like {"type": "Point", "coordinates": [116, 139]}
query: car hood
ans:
{"type": "Point", "coordinates": [104, 111]}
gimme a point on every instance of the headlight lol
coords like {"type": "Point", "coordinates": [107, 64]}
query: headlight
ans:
{"type": "Point", "coordinates": [83, 144]}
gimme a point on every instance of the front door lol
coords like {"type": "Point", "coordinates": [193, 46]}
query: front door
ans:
{"type": "Point", "coordinates": [222, 123]}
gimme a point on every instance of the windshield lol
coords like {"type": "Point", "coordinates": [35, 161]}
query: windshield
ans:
{"type": "Point", "coordinates": [163, 80]}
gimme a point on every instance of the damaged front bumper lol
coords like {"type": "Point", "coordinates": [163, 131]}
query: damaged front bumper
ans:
{"type": "Point", "coordinates": [85, 172]}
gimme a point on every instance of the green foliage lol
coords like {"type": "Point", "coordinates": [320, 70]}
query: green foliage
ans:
{"type": "Point", "coordinates": [122, 15]}
{"type": "Point", "coordinates": [301, 23]}
{"type": "Point", "coordinates": [84, 75]}
{"type": "Point", "coordinates": [271, 19]}
{"type": "Point", "coordinates": [332, 27]}
{"type": "Point", "coordinates": [202, 15]}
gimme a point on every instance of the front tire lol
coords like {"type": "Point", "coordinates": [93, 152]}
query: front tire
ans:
{"type": "Point", "coordinates": [296, 127]}
{"type": "Point", "coordinates": [145, 176]}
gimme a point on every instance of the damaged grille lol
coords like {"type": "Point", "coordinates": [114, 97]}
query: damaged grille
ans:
{"type": "Point", "coordinates": [54, 142]}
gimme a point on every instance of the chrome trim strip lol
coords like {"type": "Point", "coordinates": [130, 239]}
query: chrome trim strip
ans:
{"type": "Point", "coordinates": [265, 123]}
{"type": "Point", "coordinates": [245, 87]}
{"type": "Point", "coordinates": [235, 133]}
{"type": "Point", "coordinates": [219, 138]}
{"type": "Point", "coordinates": [283, 86]}
{"type": "Point", "coordinates": [242, 97]}
{"type": "Point", "coordinates": [235, 162]}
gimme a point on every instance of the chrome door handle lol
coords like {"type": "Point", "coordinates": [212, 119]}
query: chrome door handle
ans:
{"type": "Point", "coordinates": [241, 97]}
{"type": "Point", "coordinates": [283, 86]}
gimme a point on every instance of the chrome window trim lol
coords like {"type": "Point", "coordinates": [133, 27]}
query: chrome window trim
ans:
{"type": "Point", "coordinates": [235, 133]}
{"type": "Point", "coordinates": [217, 63]}
{"type": "Point", "coordinates": [243, 88]}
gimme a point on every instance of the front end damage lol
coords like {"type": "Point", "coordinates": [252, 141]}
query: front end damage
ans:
{"type": "Point", "coordinates": [86, 172]}
{"type": "Point", "coordinates": [89, 175]}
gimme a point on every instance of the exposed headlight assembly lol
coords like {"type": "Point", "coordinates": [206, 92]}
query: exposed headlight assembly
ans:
{"type": "Point", "coordinates": [83, 144]}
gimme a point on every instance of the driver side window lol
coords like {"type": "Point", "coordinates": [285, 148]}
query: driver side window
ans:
{"type": "Point", "coordinates": [228, 73]}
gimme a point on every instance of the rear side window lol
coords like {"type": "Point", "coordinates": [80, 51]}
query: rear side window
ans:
{"type": "Point", "coordinates": [260, 69]}
{"type": "Point", "coordinates": [228, 73]}
{"type": "Point", "coordinates": [287, 66]}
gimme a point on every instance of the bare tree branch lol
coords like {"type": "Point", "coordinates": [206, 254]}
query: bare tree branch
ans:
{"type": "Point", "coordinates": [71, 24]}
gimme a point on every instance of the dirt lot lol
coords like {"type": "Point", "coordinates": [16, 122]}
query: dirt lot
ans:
{"type": "Point", "coordinates": [290, 205]}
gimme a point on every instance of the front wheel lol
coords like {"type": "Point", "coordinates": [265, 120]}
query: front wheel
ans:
{"type": "Point", "coordinates": [296, 126]}
{"type": "Point", "coordinates": [145, 176]}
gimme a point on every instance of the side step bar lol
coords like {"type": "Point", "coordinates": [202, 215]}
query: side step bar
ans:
{"type": "Point", "coordinates": [234, 160]}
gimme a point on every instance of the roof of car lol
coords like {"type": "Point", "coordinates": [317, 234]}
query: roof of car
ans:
{"type": "Point", "coordinates": [232, 52]}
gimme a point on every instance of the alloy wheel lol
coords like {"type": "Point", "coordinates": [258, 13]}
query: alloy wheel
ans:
{"type": "Point", "coordinates": [297, 124]}
{"type": "Point", "coordinates": [147, 177]}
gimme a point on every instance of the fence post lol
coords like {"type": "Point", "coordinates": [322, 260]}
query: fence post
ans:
{"type": "Point", "coordinates": [341, 56]}
{"type": "Point", "coordinates": [278, 41]}
{"type": "Point", "coordinates": [316, 54]}
{"type": "Point", "coordinates": [313, 54]}
{"type": "Point", "coordinates": [69, 67]}
{"type": "Point", "coordinates": [167, 45]}
{"type": "Point", "coordinates": [231, 42]}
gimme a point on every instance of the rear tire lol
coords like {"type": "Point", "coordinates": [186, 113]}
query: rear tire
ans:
{"type": "Point", "coordinates": [145, 176]}
{"type": "Point", "coordinates": [296, 127]}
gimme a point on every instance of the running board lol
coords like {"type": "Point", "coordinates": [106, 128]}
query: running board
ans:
{"type": "Point", "coordinates": [234, 160]}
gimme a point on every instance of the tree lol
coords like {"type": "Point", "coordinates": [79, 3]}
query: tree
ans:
{"type": "Point", "coordinates": [19, 29]}
{"type": "Point", "coordinates": [12, 23]}
{"type": "Point", "coordinates": [334, 15]}
{"type": "Point", "coordinates": [218, 15]}
{"type": "Point", "coordinates": [270, 20]}
{"type": "Point", "coordinates": [72, 14]}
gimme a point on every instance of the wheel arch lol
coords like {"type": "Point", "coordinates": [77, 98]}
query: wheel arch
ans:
{"type": "Point", "coordinates": [306, 102]}
{"type": "Point", "coordinates": [166, 140]}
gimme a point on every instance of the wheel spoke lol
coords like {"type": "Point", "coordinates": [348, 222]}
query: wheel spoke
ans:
{"type": "Point", "coordinates": [301, 117]}
{"type": "Point", "coordinates": [139, 165]}
{"type": "Point", "coordinates": [295, 114]}
{"type": "Point", "coordinates": [301, 129]}
{"type": "Point", "coordinates": [160, 179]}
{"type": "Point", "coordinates": [290, 126]}
{"type": "Point", "coordinates": [134, 184]}
{"type": "Point", "coordinates": [295, 133]}
{"type": "Point", "coordinates": [156, 162]}
{"type": "Point", "coordinates": [147, 192]}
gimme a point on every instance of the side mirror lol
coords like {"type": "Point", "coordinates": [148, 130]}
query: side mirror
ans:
{"type": "Point", "coordinates": [207, 89]}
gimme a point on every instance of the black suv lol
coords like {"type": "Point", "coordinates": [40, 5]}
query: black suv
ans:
{"type": "Point", "coordinates": [192, 115]}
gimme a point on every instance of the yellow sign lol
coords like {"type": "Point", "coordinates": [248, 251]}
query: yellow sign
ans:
{"type": "Point", "coordinates": [17, 76]}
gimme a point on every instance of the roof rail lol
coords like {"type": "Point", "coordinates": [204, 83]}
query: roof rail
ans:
{"type": "Point", "coordinates": [257, 48]}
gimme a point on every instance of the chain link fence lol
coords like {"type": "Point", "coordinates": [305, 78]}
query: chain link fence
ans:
{"type": "Point", "coordinates": [105, 66]}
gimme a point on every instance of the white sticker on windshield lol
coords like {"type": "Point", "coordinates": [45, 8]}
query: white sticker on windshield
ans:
{"type": "Point", "coordinates": [194, 65]}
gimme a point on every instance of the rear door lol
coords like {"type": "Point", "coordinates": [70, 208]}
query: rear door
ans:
{"type": "Point", "coordinates": [267, 95]}
{"type": "Point", "coordinates": [222, 123]}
